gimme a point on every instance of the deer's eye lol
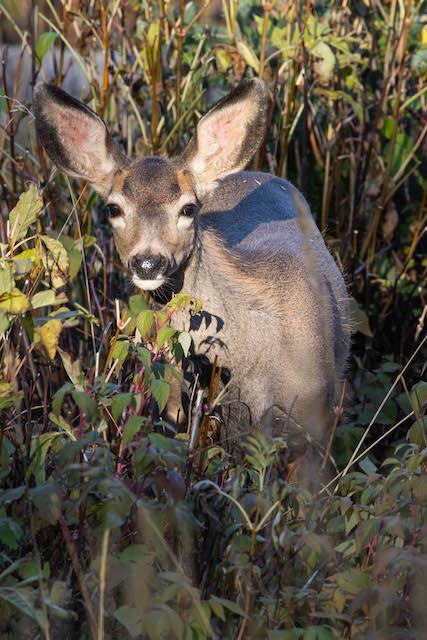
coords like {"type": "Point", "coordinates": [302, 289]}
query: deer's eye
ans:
{"type": "Point", "coordinates": [112, 211]}
{"type": "Point", "coordinates": [188, 210]}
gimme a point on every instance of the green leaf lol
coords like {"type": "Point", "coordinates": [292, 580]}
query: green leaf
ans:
{"type": "Point", "coordinates": [3, 102]}
{"type": "Point", "coordinates": [359, 319]}
{"type": "Point", "coordinates": [138, 303]}
{"type": "Point", "coordinates": [73, 369]}
{"type": "Point", "coordinates": [367, 466]}
{"type": "Point", "coordinates": [184, 340]}
{"type": "Point", "coordinates": [62, 424]}
{"type": "Point", "coordinates": [229, 604]}
{"type": "Point", "coordinates": [131, 618]}
{"type": "Point", "coordinates": [160, 392]}
{"type": "Point", "coordinates": [144, 320]}
{"type": "Point", "coordinates": [132, 426]}
{"type": "Point", "coordinates": [8, 396]}
{"type": "Point", "coordinates": [417, 433]}
{"type": "Point", "coordinates": [75, 257]}
{"type": "Point", "coordinates": [11, 495]}
{"type": "Point", "coordinates": [44, 43]}
{"type": "Point", "coordinates": [58, 398]}
{"type": "Point", "coordinates": [40, 445]}
{"type": "Point", "coordinates": [4, 322]}
{"type": "Point", "coordinates": [25, 213]}
{"type": "Point", "coordinates": [325, 63]}
{"type": "Point", "coordinates": [164, 335]}
{"type": "Point", "coordinates": [120, 352]}
{"type": "Point", "coordinates": [10, 532]}
{"type": "Point", "coordinates": [6, 279]}
{"type": "Point", "coordinates": [248, 55]}
{"type": "Point", "coordinates": [14, 302]}
{"type": "Point", "coordinates": [23, 599]}
{"type": "Point", "coordinates": [419, 395]}
{"type": "Point", "coordinates": [47, 298]}
{"type": "Point", "coordinates": [352, 580]}
{"type": "Point", "coordinates": [46, 498]}
{"type": "Point", "coordinates": [120, 401]}
{"type": "Point", "coordinates": [223, 59]}
{"type": "Point", "coordinates": [86, 403]}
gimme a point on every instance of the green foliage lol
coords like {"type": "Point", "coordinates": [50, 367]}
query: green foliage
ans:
{"type": "Point", "coordinates": [110, 525]}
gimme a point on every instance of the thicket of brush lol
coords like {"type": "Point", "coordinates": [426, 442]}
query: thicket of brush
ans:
{"type": "Point", "coordinates": [111, 528]}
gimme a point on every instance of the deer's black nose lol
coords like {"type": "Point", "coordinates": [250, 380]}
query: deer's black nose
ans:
{"type": "Point", "coordinates": [147, 267]}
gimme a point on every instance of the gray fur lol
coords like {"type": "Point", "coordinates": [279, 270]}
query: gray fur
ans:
{"type": "Point", "coordinates": [275, 307]}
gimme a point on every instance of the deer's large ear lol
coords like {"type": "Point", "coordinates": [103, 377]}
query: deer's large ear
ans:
{"type": "Point", "coordinates": [228, 135]}
{"type": "Point", "coordinates": [75, 137]}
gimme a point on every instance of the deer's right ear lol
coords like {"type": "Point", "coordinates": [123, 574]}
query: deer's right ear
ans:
{"type": "Point", "coordinates": [75, 137]}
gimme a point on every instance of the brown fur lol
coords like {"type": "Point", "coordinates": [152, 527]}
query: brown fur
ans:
{"type": "Point", "coordinates": [275, 305]}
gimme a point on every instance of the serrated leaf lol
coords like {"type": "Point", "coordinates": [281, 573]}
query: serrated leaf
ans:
{"type": "Point", "coordinates": [14, 302]}
{"type": "Point", "coordinates": [25, 213]}
{"type": "Point", "coordinates": [144, 321]}
{"type": "Point", "coordinates": [164, 335]}
{"type": "Point", "coordinates": [160, 392]}
{"type": "Point", "coordinates": [132, 426]}
{"type": "Point", "coordinates": [145, 357]}
{"type": "Point", "coordinates": [56, 261]}
{"type": "Point", "coordinates": [44, 43]}
{"type": "Point", "coordinates": [120, 352]}
{"type": "Point", "coordinates": [48, 335]}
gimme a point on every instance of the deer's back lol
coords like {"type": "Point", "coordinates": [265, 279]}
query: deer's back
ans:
{"type": "Point", "coordinates": [265, 269]}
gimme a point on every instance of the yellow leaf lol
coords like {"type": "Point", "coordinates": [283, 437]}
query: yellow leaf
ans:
{"type": "Point", "coordinates": [14, 302]}
{"type": "Point", "coordinates": [48, 336]}
{"type": "Point", "coordinates": [248, 55]}
{"type": "Point", "coordinates": [56, 261]}
{"type": "Point", "coordinates": [25, 213]}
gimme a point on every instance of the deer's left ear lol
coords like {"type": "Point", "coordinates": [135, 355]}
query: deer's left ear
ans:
{"type": "Point", "coordinates": [228, 135]}
{"type": "Point", "coordinates": [76, 139]}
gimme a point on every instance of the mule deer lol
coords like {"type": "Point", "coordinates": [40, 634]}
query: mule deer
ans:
{"type": "Point", "coordinates": [275, 307]}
